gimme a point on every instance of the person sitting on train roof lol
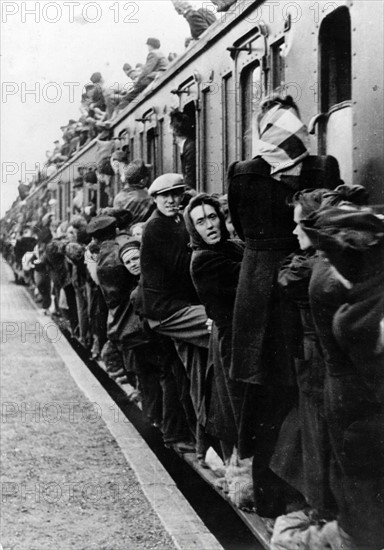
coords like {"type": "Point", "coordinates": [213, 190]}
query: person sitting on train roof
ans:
{"type": "Point", "coordinates": [170, 302]}
{"type": "Point", "coordinates": [184, 129]}
{"type": "Point", "coordinates": [199, 20]}
{"type": "Point", "coordinates": [134, 195]}
{"type": "Point", "coordinates": [223, 5]}
{"type": "Point", "coordinates": [156, 63]}
{"type": "Point", "coordinates": [111, 92]}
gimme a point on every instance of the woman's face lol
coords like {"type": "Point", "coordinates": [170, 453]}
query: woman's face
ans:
{"type": "Point", "coordinates": [207, 223]}
{"type": "Point", "coordinates": [302, 237]}
{"type": "Point", "coordinates": [131, 260]}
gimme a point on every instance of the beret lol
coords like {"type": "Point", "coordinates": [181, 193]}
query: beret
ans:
{"type": "Point", "coordinates": [165, 183]}
{"type": "Point", "coordinates": [99, 223]}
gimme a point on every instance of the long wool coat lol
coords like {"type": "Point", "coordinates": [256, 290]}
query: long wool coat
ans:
{"type": "Point", "coordinates": [215, 273]}
{"type": "Point", "coordinates": [302, 456]}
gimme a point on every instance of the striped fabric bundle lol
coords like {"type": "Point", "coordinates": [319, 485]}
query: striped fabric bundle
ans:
{"type": "Point", "coordinates": [283, 140]}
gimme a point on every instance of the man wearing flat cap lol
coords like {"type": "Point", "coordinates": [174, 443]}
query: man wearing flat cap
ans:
{"type": "Point", "coordinates": [170, 302]}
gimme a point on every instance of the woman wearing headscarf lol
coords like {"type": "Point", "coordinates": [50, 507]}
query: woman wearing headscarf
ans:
{"type": "Point", "coordinates": [215, 268]}
{"type": "Point", "coordinates": [262, 355]}
{"type": "Point", "coordinates": [348, 309]}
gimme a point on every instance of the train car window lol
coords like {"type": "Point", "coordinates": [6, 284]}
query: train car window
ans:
{"type": "Point", "coordinates": [176, 157]}
{"type": "Point", "coordinates": [204, 171]}
{"type": "Point", "coordinates": [335, 59]}
{"type": "Point", "coordinates": [61, 202]}
{"type": "Point", "coordinates": [251, 94]}
{"type": "Point", "coordinates": [229, 120]}
{"type": "Point", "coordinates": [151, 152]}
{"type": "Point", "coordinates": [160, 133]}
{"type": "Point", "coordinates": [132, 148]}
{"type": "Point", "coordinates": [141, 141]}
{"type": "Point", "coordinates": [335, 126]}
{"type": "Point", "coordinates": [278, 65]}
{"type": "Point", "coordinates": [68, 200]}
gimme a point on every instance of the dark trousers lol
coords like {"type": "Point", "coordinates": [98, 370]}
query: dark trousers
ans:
{"type": "Point", "coordinates": [71, 312]}
{"type": "Point", "coordinates": [165, 388]}
{"type": "Point", "coordinates": [43, 284]}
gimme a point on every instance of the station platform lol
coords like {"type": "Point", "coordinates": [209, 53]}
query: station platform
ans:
{"type": "Point", "coordinates": [75, 472]}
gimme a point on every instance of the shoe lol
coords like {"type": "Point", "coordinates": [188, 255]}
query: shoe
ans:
{"type": "Point", "coordinates": [182, 447]}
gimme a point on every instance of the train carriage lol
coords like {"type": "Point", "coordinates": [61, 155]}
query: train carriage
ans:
{"type": "Point", "coordinates": [326, 55]}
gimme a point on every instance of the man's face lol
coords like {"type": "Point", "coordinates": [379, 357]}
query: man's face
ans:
{"type": "Point", "coordinates": [168, 203]}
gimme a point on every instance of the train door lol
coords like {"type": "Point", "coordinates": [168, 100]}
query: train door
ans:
{"type": "Point", "coordinates": [335, 120]}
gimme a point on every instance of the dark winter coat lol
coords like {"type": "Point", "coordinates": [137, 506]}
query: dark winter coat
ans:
{"type": "Point", "coordinates": [165, 261]}
{"type": "Point", "coordinates": [357, 328]}
{"type": "Point", "coordinates": [302, 456]}
{"type": "Point", "coordinates": [116, 284]}
{"type": "Point", "coordinates": [349, 402]}
{"type": "Point", "coordinates": [262, 218]}
{"type": "Point", "coordinates": [215, 273]}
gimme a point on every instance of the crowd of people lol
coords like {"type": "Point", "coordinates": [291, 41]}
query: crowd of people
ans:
{"type": "Point", "coordinates": [102, 101]}
{"type": "Point", "coordinates": [251, 324]}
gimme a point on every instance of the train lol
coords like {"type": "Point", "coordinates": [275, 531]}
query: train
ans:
{"type": "Point", "coordinates": [325, 54]}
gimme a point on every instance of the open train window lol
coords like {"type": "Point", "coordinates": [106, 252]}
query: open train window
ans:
{"type": "Point", "coordinates": [335, 56]}
{"type": "Point", "coordinates": [141, 142]}
{"type": "Point", "coordinates": [251, 94]}
{"type": "Point", "coordinates": [335, 121]}
{"type": "Point", "coordinates": [186, 148]}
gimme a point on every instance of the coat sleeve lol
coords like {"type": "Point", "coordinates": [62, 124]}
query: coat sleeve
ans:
{"type": "Point", "coordinates": [215, 274]}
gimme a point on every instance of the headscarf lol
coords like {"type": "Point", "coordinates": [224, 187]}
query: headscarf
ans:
{"type": "Point", "coordinates": [196, 241]}
{"type": "Point", "coordinates": [355, 194]}
{"type": "Point", "coordinates": [284, 140]}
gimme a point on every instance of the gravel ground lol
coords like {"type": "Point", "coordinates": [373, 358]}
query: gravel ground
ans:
{"type": "Point", "coordinates": [65, 483]}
